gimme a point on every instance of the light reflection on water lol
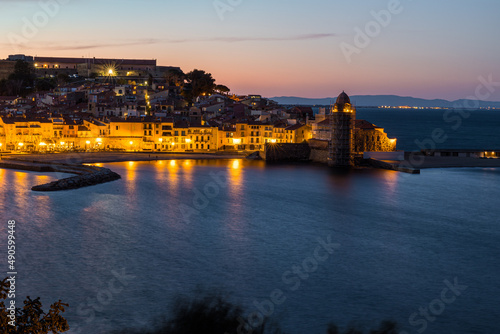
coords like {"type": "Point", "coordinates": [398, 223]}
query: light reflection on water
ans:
{"type": "Point", "coordinates": [401, 236]}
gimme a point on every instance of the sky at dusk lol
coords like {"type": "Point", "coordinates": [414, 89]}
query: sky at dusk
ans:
{"type": "Point", "coordinates": [426, 48]}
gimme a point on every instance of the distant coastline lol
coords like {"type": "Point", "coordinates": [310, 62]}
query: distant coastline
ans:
{"type": "Point", "coordinates": [391, 101]}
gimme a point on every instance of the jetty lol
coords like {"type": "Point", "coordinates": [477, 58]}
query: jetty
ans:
{"type": "Point", "coordinates": [85, 175]}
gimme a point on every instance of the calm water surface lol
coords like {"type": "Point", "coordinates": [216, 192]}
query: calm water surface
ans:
{"type": "Point", "coordinates": [400, 237]}
{"type": "Point", "coordinates": [476, 130]}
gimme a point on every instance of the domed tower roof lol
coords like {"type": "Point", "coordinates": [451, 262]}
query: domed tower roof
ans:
{"type": "Point", "coordinates": [343, 99]}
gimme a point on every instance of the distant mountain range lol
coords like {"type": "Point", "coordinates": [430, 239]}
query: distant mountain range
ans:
{"type": "Point", "coordinates": [388, 100]}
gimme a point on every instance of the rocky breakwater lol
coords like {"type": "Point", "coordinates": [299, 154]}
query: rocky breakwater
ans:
{"type": "Point", "coordinates": [86, 175]}
{"type": "Point", "coordinates": [86, 178]}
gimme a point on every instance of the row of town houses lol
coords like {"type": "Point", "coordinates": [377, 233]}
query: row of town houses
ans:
{"type": "Point", "coordinates": [143, 134]}
{"type": "Point", "coordinates": [139, 117]}
{"type": "Point", "coordinates": [168, 135]}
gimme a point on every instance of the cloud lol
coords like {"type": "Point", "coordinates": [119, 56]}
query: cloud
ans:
{"type": "Point", "coordinates": [258, 39]}
{"type": "Point", "coordinates": [65, 46]}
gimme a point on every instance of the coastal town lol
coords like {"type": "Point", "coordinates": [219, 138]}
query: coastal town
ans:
{"type": "Point", "coordinates": [134, 105]}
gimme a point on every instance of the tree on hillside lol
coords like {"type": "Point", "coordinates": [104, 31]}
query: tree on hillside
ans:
{"type": "Point", "coordinates": [23, 76]}
{"type": "Point", "coordinates": [11, 87]}
{"type": "Point", "coordinates": [221, 89]}
{"type": "Point", "coordinates": [198, 83]}
{"type": "Point", "coordinates": [45, 84]}
{"type": "Point", "coordinates": [62, 79]}
{"type": "Point", "coordinates": [174, 77]}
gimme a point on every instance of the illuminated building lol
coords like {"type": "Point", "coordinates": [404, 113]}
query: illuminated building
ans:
{"type": "Point", "coordinates": [341, 152]}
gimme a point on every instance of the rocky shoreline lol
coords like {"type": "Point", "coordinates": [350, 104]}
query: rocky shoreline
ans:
{"type": "Point", "coordinates": [104, 175]}
{"type": "Point", "coordinates": [86, 175]}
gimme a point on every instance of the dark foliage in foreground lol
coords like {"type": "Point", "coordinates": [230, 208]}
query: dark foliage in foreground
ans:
{"type": "Point", "coordinates": [205, 315]}
{"type": "Point", "coordinates": [386, 327]}
{"type": "Point", "coordinates": [31, 318]}
{"type": "Point", "coordinates": [214, 314]}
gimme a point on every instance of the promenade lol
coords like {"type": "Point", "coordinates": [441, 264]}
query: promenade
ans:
{"type": "Point", "coordinates": [105, 157]}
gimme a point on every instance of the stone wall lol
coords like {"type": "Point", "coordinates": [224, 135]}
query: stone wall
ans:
{"type": "Point", "coordinates": [320, 156]}
{"type": "Point", "coordinates": [287, 152]}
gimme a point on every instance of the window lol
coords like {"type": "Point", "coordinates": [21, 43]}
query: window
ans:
{"type": "Point", "coordinates": [183, 133]}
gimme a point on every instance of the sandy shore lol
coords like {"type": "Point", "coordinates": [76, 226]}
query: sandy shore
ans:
{"type": "Point", "coordinates": [103, 157]}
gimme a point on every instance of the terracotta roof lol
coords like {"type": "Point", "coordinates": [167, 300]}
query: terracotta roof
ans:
{"type": "Point", "coordinates": [181, 124]}
{"type": "Point", "coordinates": [294, 127]}
{"type": "Point", "coordinates": [364, 125]}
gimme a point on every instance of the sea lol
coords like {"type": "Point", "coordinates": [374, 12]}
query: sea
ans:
{"type": "Point", "coordinates": [300, 244]}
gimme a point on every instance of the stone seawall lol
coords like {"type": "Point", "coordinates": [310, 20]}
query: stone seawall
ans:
{"type": "Point", "coordinates": [318, 155]}
{"type": "Point", "coordinates": [86, 175]}
{"type": "Point", "coordinates": [287, 152]}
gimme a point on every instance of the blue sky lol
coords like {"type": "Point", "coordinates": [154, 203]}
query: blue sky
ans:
{"type": "Point", "coordinates": [429, 49]}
